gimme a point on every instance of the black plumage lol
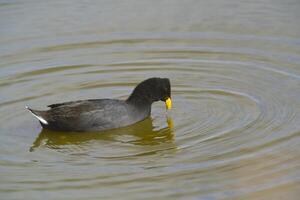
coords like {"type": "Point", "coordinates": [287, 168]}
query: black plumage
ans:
{"type": "Point", "coordinates": [105, 114]}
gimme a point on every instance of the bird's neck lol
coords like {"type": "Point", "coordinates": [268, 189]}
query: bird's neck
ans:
{"type": "Point", "coordinates": [139, 99]}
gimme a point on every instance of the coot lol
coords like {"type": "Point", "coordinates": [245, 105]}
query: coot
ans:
{"type": "Point", "coordinates": [105, 114]}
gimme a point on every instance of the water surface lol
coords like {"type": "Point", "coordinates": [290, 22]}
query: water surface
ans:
{"type": "Point", "coordinates": [235, 74]}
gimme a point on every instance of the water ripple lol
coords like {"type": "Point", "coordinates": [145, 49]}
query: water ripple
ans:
{"type": "Point", "coordinates": [235, 120]}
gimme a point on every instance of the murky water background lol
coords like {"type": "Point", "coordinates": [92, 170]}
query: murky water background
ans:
{"type": "Point", "coordinates": [235, 73]}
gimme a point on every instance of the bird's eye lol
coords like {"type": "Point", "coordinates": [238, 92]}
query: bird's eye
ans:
{"type": "Point", "coordinates": [165, 89]}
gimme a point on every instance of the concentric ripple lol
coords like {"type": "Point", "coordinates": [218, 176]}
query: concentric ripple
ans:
{"type": "Point", "coordinates": [233, 131]}
{"type": "Point", "coordinates": [230, 112]}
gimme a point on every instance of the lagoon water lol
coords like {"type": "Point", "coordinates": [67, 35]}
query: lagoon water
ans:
{"type": "Point", "coordinates": [234, 131]}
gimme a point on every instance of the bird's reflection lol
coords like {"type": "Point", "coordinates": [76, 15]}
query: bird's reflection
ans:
{"type": "Point", "coordinates": [142, 133]}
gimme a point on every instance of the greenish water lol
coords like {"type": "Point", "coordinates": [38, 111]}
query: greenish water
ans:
{"type": "Point", "coordinates": [234, 131]}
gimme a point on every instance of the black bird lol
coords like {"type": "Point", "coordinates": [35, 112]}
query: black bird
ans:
{"type": "Point", "coordinates": [105, 114]}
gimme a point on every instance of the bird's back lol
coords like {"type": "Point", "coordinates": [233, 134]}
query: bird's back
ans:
{"type": "Point", "coordinates": [89, 115]}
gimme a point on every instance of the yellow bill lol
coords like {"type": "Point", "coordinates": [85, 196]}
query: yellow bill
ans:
{"type": "Point", "coordinates": [168, 103]}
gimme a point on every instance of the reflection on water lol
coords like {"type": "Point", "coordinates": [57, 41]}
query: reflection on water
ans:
{"type": "Point", "coordinates": [142, 133]}
{"type": "Point", "coordinates": [235, 76]}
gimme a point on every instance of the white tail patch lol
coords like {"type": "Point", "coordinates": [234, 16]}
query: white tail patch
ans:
{"type": "Point", "coordinates": [38, 117]}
